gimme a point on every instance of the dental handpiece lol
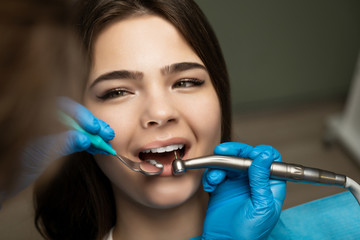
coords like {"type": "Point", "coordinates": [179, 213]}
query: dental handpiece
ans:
{"type": "Point", "coordinates": [279, 170]}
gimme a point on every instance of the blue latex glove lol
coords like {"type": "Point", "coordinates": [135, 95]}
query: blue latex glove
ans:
{"type": "Point", "coordinates": [42, 151]}
{"type": "Point", "coordinates": [76, 141]}
{"type": "Point", "coordinates": [243, 205]}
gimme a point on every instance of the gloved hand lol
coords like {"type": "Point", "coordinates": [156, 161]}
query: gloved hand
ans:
{"type": "Point", "coordinates": [243, 205]}
{"type": "Point", "coordinates": [76, 141]}
{"type": "Point", "coordinates": [42, 151]}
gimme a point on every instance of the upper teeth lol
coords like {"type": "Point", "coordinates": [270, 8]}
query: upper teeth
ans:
{"type": "Point", "coordinates": [169, 148]}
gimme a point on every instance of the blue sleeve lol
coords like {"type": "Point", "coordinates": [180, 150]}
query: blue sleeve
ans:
{"type": "Point", "coordinates": [334, 217]}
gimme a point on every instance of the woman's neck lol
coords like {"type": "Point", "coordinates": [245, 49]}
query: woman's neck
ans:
{"type": "Point", "coordinates": [136, 221]}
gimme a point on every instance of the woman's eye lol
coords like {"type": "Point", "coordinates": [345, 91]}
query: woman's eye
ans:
{"type": "Point", "coordinates": [189, 82]}
{"type": "Point", "coordinates": [114, 93]}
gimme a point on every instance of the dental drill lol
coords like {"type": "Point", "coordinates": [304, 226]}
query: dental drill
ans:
{"type": "Point", "coordinates": [279, 170]}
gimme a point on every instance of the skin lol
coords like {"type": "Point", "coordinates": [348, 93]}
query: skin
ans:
{"type": "Point", "coordinates": [155, 106]}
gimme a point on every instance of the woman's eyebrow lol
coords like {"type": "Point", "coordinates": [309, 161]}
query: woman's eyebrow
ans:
{"type": "Point", "coordinates": [136, 75]}
{"type": "Point", "coordinates": [119, 74]}
{"type": "Point", "coordinates": [183, 66]}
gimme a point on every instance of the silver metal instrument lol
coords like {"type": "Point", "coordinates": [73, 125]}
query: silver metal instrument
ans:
{"type": "Point", "coordinates": [147, 167]}
{"type": "Point", "coordinates": [279, 170]}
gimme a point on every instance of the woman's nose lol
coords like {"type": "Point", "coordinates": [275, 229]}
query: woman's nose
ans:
{"type": "Point", "coordinates": [158, 111]}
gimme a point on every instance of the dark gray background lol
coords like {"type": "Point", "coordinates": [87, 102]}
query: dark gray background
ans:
{"type": "Point", "coordinates": [281, 53]}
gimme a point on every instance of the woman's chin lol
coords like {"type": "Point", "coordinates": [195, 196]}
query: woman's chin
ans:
{"type": "Point", "coordinates": [169, 195]}
{"type": "Point", "coordinates": [167, 202]}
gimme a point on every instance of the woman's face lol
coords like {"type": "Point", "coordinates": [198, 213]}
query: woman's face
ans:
{"type": "Point", "coordinates": [149, 85]}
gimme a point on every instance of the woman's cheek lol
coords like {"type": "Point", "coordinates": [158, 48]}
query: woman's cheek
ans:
{"type": "Point", "coordinates": [206, 115]}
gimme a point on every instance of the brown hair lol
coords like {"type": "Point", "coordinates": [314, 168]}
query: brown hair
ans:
{"type": "Point", "coordinates": [87, 210]}
{"type": "Point", "coordinates": [39, 59]}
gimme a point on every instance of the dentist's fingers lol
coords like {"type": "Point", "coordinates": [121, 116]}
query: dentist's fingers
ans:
{"type": "Point", "coordinates": [259, 173]}
{"type": "Point", "coordinates": [233, 149]}
{"type": "Point", "coordinates": [81, 114]}
{"type": "Point", "coordinates": [74, 141]}
{"type": "Point", "coordinates": [211, 178]}
{"type": "Point", "coordinates": [86, 119]}
{"type": "Point", "coordinates": [277, 187]}
{"type": "Point", "coordinates": [262, 148]}
{"type": "Point", "coordinates": [106, 132]}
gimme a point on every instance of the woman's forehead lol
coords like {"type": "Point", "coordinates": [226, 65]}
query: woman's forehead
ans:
{"type": "Point", "coordinates": [140, 42]}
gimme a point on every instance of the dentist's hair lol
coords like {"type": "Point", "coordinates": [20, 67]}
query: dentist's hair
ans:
{"type": "Point", "coordinates": [39, 61]}
{"type": "Point", "coordinates": [78, 203]}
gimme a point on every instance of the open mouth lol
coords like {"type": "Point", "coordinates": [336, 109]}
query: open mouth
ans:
{"type": "Point", "coordinates": [165, 155]}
